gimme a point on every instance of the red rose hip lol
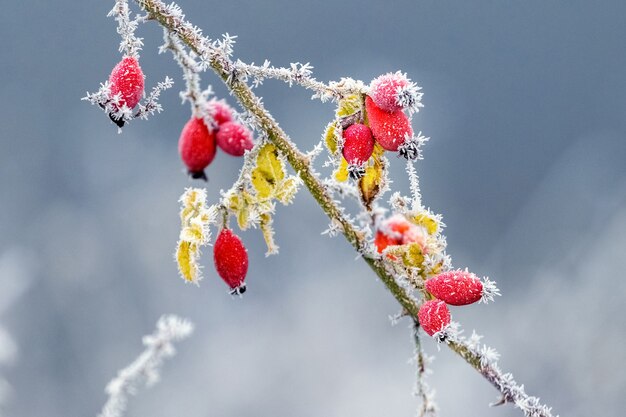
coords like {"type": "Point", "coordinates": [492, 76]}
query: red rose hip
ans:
{"type": "Point", "coordinates": [234, 139]}
{"type": "Point", "coordinates": [384, 90]}
{"type": "Point", "coordinates": [196, 147]}
{"type": "Point", "coordinates": [220, 111]}
{"type": "Point", "coordinates": [389, 129]}
{"type": "Point", "coordinates": [231, 260]}
{"type": "Point", "coordinates": [358, 144]}
{"type": "Point", "coordinates": [127, 80]}
{"type": "Point", "coordinates": [433, 316]}
{"type": "Point", "coordinates": [457, 288]}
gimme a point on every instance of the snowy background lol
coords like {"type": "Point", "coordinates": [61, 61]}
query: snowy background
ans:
{"type": "Point", "coordinates": [526, 108]}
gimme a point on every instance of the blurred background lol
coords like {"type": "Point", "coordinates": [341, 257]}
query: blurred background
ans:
{"type": "Point", "coordinates": [525, 103]}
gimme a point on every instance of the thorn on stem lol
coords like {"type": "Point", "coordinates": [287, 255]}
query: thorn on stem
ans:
{"type": "Point", "coordinates": [501, 401]}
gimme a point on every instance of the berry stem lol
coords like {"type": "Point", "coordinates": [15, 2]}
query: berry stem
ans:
{"type": "Point", "coordinates": [219, 60]}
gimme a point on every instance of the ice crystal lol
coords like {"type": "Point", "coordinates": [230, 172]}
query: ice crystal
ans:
{"type": "Point", "coordinates": [489, 291]}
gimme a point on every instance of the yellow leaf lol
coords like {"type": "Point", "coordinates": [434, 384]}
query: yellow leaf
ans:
{"type": "Point", "coordinates": [427, 221]}
{"type": "Point", "coordinates": [378, 152]}
{"type": "Point", "coordinates": [341, 174]}
{"type": "Point", "coordinates": [370, 184]}
{"type": "Point", "coordinates": [349, 105]}
{"type": "Point", "coordinates": [243, 216]}
{"type": "Point", "coordinates": [330, 137]}
{"type": "Point", "coordinates": [186, 256]}
{"type": "Point", "coordinates": [413, 255]}
{"type": "Point", "coordinates": [269, 171]}
{"type": "Point", "coordinates": [437, 268]}
{"type": "Point", "coordinates": [193, 233]}
{"type": "Point", "coordinates": [287, 190]}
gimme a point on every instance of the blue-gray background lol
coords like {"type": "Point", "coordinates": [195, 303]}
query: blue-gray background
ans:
{"type": "Point", "coordinates": [525, 105]}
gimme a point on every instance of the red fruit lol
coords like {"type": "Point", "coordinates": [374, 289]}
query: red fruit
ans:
{"type": "Point", "coordinates": [126, 79]}
{"type": "Point", "coordinates": [457, 288]}
{"type": "Point", "coordinates": [433, 316]}
{"type": "Point", "coordinates": [358, 144]}
{"type": "Point", "coordinates": [382, 241]}
{"type": "Point", "coordinates": [231, 260]}
{"type": "Point", "coordinates": [220, 111]}
{"type": "Point", "coordinates": [196, 147]}
{"type": "Point", "coordinates": [397, 230]}
{"type": "Point", "coordinates": [384, 90]}
{"type": "Point", "coordinates": [390, 129]}
{"type": "Point", "coordinates": [234, 139]}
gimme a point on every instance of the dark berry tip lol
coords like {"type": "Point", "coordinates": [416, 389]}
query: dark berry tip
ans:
{"type": "Point", "coordinates": [356, 171]}
{"type": "Point", "coordinates": [238, 290]}
{"type": "Point", "coordinates": [198, 175]}
{"type": "Point", "coordinates": [119, 122]}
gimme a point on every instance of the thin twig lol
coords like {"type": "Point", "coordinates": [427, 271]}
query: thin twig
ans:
{"type": "Point", "coordinates": [428, 408]}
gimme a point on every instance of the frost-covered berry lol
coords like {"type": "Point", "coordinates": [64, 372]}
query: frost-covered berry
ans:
{"type": "Point", "coordinates": [397, 230]}
{"type": "Point", "coordinates": [196, 147]}
{"type": "Point", "coordinates": [234, 139]}
{"type": "Point", "coordinates": [457, 288]}
{"type": "Point", "coordinates": [434, 316]}
{"type": "Point", "coordinates": [384, 90]}
{"type": "Point", "coordinates": [231, 260]}
{"type": "Point", "coordinates": [358, 144]}
{"type": "Point", "coordinates": [127, 80]}
{"type": "Point", "coordinates": [382, 240]}
{"type": "Point", "coordinates": [390, 130]}
{"type": "Point", "coordinates": [220, 111]}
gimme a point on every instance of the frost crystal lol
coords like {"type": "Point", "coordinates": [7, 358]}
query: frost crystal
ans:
{"type": "Point", "coordinates": [489, 291]}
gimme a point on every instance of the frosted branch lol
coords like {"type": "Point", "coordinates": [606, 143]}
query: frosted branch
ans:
{"type": "Point", "coordinates": [217, 56]}
{"type": "Point", "coordinates": [130, 45]}
{"type": "Point", "coordinates": [145, 369]}
{"type": "Point", "coordinates": [300, 74]}
{"type": "Point", "coordinates": [190, 68]}
{"type": "Point", "coordinates": [485, 360]}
